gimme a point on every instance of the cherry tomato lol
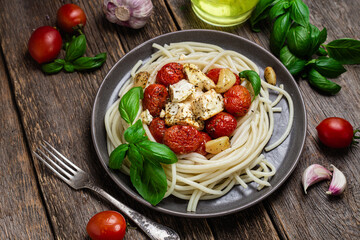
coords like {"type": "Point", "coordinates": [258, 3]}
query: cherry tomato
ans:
{"type": "Point", "coordinates": [70, 17]}
{"type": "Point", "coordinates": [213, 74]}
{"type": "Point", "coordinates": [106, 225]}
{"type": "Point", "coordinates": [170, 73]}
{"type": "Point", "coordinates": [157, 129]}
{"type": "Point", "coordinates": [335, 132]}
{"type": "Point", "coordinates": [237, 100]}
{"type": "Point", "coordinates": [155, 96]}
{"type": "Point", "coordinates": [182, 139]}
{"type": "Point", "coordinates": [205, 138]}
{"type": "Point", "coordinates": [45, 44]}
{"type": "Point", "coordinates": [222, 124]}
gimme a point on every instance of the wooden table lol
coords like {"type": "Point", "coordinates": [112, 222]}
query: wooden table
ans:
{"type": "Point", "coordinates": [37, 205]}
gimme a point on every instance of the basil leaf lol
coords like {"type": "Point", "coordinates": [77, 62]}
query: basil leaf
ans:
{"type": "Point", "coordinates": [69, 67]}
{"type": "Point", "coordinates": [129, 104]}
{"type": "Point", "coordinates": [345, 50]}
{"type": "Point", "coordinates": [117, 156]}
{"type": "Point", "coordinates": [294, 64]}
{"type": "Point", "coordinates": [135, 157]}
{"type": "Point", "coordinates": [299, 12]}
{"type": "Point", "coordinates": [88, 63]}
{"type": "Point", "coordinates": [260, 12]}
{"type": "Point", "coordinates": [135, 133]}
{"type": "Point", "coordinates": [278, 34]}
{"type": "Point", "coordinates": [321, 83]}
{"type": "Point", "coordinates": [149, 181]}
{"type": "Point", "coordinates": [299, 40]}
{"type": "Point", "coordinates": [253, 78]}
{"type": "Point", "coordinates": [328, 67]}
{"type": "Point", "coordinates": [279, 9]}
{"type": "Point", "coordinates": [156, 152]}
{"type": "Point", "coordinates": [54, 67]}
{"type": "Point", "coordinates": [76, 48]}
{"type": "Point", "coordinates": [316, 38]}
{"type": "Point", "coordinates": [321, 52]}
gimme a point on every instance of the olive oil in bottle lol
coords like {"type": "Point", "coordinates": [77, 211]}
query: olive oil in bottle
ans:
{"type": "Point", "coordinates": [223, 12]}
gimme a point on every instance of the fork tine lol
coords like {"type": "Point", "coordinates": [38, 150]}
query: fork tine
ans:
{"type": "Point", "coordinates": [49, 166]}
{"type": "Point", "coordinates": [62, 156]}
{"type": "Point", "coordinates": [71, 170]}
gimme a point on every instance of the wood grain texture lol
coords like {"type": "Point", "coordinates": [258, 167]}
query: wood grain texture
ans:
{"type": "Point", "coordinates": [22, 213]}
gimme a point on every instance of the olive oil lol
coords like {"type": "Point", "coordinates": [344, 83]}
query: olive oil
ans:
{"type": "Point", "coordinates": [223, 12]}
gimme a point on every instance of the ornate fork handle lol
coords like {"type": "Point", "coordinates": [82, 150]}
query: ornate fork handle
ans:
{"type": "Point", "coordinates": [152, 229]}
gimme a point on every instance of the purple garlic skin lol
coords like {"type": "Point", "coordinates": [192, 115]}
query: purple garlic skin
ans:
{"type": "Point", "coordinates": [128, 13]}
{"type": "Point", "coordinates": [313, 174]}
{"type": "Point", "coordinates": [338, 182]}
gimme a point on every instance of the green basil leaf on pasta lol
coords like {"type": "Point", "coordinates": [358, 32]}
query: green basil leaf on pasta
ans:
{"type": "Point", "coordinates": [76, 48]}
{"type": "Point", "coordinates": [299, 12]}
{"type": "Point", "coordinates": [135, 157]}
{"type": "Point", "coordinates": [156, 152]}
{"type": "Point", "coordinates": [129, 104]}
{"type": "Point", "coordinates": [294, 64]}
{"type": "Point", "coordinates": [149, 181]}
{"type": "Point", "coordinates": [345, 50]}
{"type": "Point", "coordinates": [322, 84]}
{"type": "Point", "coordinates": [117, 156]}
{"type": "Point", "coordinates": [253, 78]}
{"type": "Point", "coordinates": [279, 32]}
{"type": "Point", "coordinates": [135, 133]}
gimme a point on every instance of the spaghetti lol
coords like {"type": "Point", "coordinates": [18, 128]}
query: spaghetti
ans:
{"type": "Point", "coordinates": [196, 177]}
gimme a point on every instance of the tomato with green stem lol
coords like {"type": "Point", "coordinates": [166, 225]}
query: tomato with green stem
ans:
{"type": "Point", "coordinates": [106, 225]}
{"type": "Point", "coordinates": [70, 17]}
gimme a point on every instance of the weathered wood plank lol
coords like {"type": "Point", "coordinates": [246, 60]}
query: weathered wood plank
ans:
{"type": "Point", "coordinates": [22, 212]}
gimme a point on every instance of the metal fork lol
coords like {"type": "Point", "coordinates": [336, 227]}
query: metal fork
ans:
{"type": "Point", "coordinates": [78, 179]}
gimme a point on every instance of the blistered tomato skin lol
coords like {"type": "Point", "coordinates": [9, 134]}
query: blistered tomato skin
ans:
{"type": "Point", "coordinates": [182, 139]}
{"type": "Point", "coordinates": [155, 96]}
{"type": "Point", "coordinates": [69, 17]}
{"type": "Point", "coordinates": [222, 124]}
{"type": "Point", "coordinates": [237, 101]}
{"type": "Point", "coordinates": [106, 225]}
{"type": "Point", "coordinates": [335, 132]}
{"type": "Point", "coordinates": [157, 128]}
{"type": "Point", "coordinates": [205, 138]}
{"type": "Point", "coordinates": [213, 74]}
{"type": "Point", "coordinates": [170, 73]}
{"type": "Point", "coordinates": [45, 44]}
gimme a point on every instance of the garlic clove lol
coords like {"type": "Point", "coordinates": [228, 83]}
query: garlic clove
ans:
{"type": "Point", "coordinates": [338, 182]}
{"type": "Point", "coordinates": [313, 174]}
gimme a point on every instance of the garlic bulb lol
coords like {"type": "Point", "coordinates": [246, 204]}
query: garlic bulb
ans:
{"type": "Point", "coordinates": [338, 182]}
{"type": "Point", "coordinates": [128, 13]}
{"type": "Point", "coordinates": [313, 174]}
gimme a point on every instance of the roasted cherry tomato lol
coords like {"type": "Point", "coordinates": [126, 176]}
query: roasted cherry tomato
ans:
{"type": "Point", "coordinates": [182, 139]}
{"type": "Point", "coordinates": [335, 132]}
{"type": "Point", "coordinates": [205, 138]}
{"type": "Point", "coordinates": [106, 225]}
{"type": "Point", "coordinates": [45, 44]}
{"type": "Point", "coordinates": [157, 128]}
{"type": "Point", "coordinates": [70, 17]}
{"type": "Point", "coordinates": [237, 100]}
{"type": "Point", "coordinates": [213, 74]}
{"type": "Point", "coordinates": [222, 124]}
{"type": "Point", "coordinates": [170, 73]}
{"type": "Point", "coordinates": [155, 96]}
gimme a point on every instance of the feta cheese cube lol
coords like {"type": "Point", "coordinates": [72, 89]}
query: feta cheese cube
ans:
{"type": "Point", "coordinates": [181, 114]}
{"type": "Point", "coordinates": [197, 77]}
{"type": "Point", "coordinates": [208, 105]}
{"type": "Point", "coordinates": [181, 90]}
{"type": "Point", "coordinates": [146, 117]}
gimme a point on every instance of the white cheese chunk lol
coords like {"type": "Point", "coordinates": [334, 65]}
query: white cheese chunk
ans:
{"type": "Point", "coordinates": [146, 117]}
{"type": "Point", "coordinates": [181, 114]}
{"type": "Point", "coordinates": [181, 90]}
{"type": "Point", "coordinates": [162, 113]}
{"type": "Point", "coordinates": [197, 77]}
{"type": "Point", "coordinates": [208, 105]}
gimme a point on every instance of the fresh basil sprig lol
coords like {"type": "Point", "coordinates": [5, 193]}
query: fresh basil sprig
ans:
{"type": "Point", "coordinates": [74, 60]}
{"type": "Point", "coordinates": [146, 173]}
{"type": "Point", "coordinates": [253, 78]}
{"type": "Point", "coordinates": [301, 46]}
